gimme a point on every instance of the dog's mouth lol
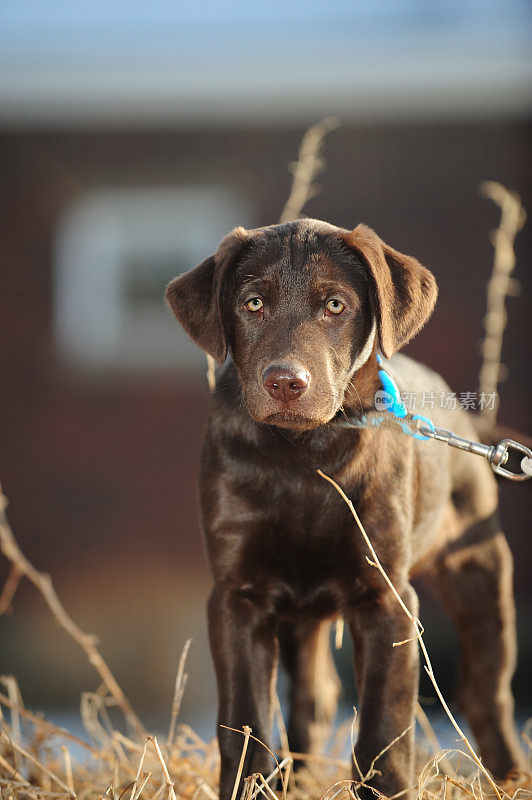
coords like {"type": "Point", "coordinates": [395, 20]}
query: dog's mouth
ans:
{"type": "Point", "coordinates": [292, 420]}
{"type": "Point", "coordinates": [300, 414]}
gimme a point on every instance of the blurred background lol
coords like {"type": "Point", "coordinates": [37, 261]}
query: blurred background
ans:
{"type": "Point", "coordinates": [133, 136]}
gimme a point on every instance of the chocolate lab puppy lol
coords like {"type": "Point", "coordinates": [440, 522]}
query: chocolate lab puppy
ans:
{"type": "Point", "coordinates": [303, 308]}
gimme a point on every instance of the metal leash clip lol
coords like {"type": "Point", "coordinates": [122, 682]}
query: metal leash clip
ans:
{"type": "Point", "coordinates": [497, 455]}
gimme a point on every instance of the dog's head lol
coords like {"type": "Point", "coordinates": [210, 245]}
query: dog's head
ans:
{"type": "Point", "coordinates": [301, 307]}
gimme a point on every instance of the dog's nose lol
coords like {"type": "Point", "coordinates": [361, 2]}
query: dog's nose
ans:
{"type": "Point", "coordinates": [285, 383]}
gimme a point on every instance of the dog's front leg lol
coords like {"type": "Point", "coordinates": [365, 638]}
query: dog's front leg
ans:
{"type": "Point", "coordinates": [387, 679]}
{"type": "Point", "coordinates": [244, 651]}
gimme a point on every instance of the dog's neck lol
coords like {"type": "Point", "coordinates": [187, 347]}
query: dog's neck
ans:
{"type": "Point", "coordinates": [359, 397]}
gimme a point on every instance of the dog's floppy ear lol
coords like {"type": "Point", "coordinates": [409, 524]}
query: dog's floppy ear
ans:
{"type": "Point", "coordinates": [404, 292]}
{"type": "Point", "coordinates": [196, 297]}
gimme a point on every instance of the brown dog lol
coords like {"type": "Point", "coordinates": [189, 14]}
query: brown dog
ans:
{"type": "Point", "coordinates": [303, 309]}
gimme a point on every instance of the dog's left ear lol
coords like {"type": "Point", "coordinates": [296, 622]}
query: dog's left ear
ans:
{"type": "Point", "coordinates": [404, 292]}
{"type": "Point", "coordinates": [196, 297]}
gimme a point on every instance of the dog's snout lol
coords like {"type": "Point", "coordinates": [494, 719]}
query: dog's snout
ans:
{"type": "Point", "coordinates": [285, 383]}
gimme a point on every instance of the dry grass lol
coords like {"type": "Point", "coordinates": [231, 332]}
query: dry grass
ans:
{"type": "Point", "coordinates": [37, 757]}
{"type": "Point", "coordinates": [118, 766]}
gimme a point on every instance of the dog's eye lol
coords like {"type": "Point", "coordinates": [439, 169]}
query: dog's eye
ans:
{"type": "Point", "coordinates": [255, 304]}
{"type": "Point", "coordinates": [334, 306]}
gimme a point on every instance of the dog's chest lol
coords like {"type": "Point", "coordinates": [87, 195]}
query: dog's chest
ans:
{"type": "Point", "coordinates": [297, 551]}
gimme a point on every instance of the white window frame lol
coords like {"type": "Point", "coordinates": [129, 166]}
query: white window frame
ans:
{"type": "Point", "coordinates": [94, 328]}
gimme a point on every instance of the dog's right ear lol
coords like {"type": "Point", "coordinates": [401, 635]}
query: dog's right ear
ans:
{"type": "Point", "coordinates": [196, 297]}
{"type": "Point", "coordinates": [404, 291]}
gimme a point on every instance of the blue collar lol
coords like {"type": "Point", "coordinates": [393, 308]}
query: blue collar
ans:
{"type": "Point", "coordinates": [392, 402]}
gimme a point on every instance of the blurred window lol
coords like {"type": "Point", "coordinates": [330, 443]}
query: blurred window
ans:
{"type": "Point", "coordinates": [115, 251]}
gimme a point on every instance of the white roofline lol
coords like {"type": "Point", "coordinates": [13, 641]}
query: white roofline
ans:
{"type": "Point", "coordinates": [278, 94]}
